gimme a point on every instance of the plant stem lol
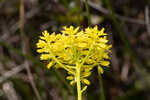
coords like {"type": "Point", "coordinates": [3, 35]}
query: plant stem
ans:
{"type": "Point", "coordinates": [101, 87]}
{"type": "Point", "coordinates": [88, 12]}
{"type": "Point", "coordinates": [78, 11]}
{"type": "Point", "coordinates": [78, 82]}
{"type": "Point", "coordinates": [140, 71]}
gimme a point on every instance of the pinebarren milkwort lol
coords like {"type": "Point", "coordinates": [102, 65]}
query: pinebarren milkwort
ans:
{"type": "Point", "coordinates": [77, 51]}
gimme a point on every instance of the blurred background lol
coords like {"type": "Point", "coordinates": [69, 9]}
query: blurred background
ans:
{"type": "Point", "coordinates": [24, 77]}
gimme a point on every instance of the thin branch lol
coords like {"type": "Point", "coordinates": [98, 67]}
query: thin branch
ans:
{"type": "Point", "coordinates": [15, 26]}
{"type": "Point", "coordinates": [25, 49]}
{"type": "Point", "coordinates": [147, 21]}
{"type": "Point", "coordinates": [12, 72]}
{"type": "Point", "coordinates": [142, 71]}
{"type": "Point", "coordinates": [107, 12]}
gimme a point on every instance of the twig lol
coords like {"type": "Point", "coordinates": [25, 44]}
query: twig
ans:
{"type": "Point", "coordinates": [12, 72]}
{"type": "Point", "coordinates": [147, 21]}
{"type": "Point", "coordinates": [31, 79]}
{"type": "Point", "coordinates": [25, 48]}
{"type": "Point", "coordinates": [142, 71]}
{"type": "Point", "coordinates": [15, 26]}
{"type": "Point", "coordinates": [107, 12]}
{"type": "Point", "coordinates": [36, 62]}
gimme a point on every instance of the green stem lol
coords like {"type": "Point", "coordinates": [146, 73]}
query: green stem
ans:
{"type": "Point", "coordinates": [101, 87]}
{"type": "Point", "coordinates": [140, 69]}
{"type": "Point", "coordinates": [78, 11]}
{"type": "Point", "coordinates": [88, 12]}
{"type": "Point", "coordinates": [122, 36]}
{"type": "Point", "coordinates": [78, 82]}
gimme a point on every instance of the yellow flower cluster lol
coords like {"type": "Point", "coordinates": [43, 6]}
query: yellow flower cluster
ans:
{"type": "Point", "coordinates": [75, 50]}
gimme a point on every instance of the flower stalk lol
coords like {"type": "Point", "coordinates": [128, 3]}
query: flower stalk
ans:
{"type": "Point", "coordinates": [101, 87]}
{"type": "Point", "coordinates": [78, 82]}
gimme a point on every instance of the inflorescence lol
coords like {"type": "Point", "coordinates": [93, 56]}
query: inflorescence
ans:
{"type": "Point", "coordinates": [76, 50]}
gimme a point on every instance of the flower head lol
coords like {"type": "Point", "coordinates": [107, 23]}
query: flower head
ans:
{"type": "Point", "coordinates": [74, 49]}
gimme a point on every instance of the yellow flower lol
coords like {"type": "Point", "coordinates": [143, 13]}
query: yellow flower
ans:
{"type": "Point", "coordinates": [77, 51]}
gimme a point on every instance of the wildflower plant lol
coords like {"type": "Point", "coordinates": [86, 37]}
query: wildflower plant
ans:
{"type": "Point", "coordinates": [77, 51]}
